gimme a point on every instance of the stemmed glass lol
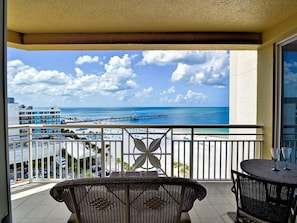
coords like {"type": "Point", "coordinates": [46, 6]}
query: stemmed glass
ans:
{"type": "Point", "coordinates": [286, 151]}
{"type": "Point", "coordinates": [275, 152]}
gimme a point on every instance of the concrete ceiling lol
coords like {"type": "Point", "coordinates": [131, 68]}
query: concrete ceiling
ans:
{"type": "Point", "coordinates": [84, 22]}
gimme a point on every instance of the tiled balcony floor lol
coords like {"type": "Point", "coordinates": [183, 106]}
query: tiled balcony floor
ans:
{"type": "Point", "coordinates": [32, 203]}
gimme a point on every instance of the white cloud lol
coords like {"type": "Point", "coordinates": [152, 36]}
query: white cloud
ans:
{"type": "Point", "coordinates": [145, 93]}
{"type": "Point", "coordinates": [170, 90]}
{"type": "Point", "coordinates": [86, 59]}
{"type": "Point", "coordinates": [24, 79]}
{"type": "Point", "coordinates": [119, 82]}
{"type": "Point", "coordinates": [195, 96]}
{"type": "Point", "coordinates": [79, 72]}
{"type": "Point", "coordinates": [290, 79]}
{"type": "Point", "coordinates": [190, 97]}
{"type": "Point", "coordinates": [165, 57]}
{"type": "Point", "coordinates": [21, 74]}
{"type": "Point", "coordinates": [193, 67]}
{"type": "Point", "coordinates": [116, 81]}
{"type": "Point", "coordinates": [118, 75]}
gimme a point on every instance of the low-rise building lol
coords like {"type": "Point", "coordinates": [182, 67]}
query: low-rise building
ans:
{"type": "Point", "coordinates": [25, 115]}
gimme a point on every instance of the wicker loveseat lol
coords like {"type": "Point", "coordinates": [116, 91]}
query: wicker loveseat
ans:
{"type": "Point", "coordinates": [129, 199]}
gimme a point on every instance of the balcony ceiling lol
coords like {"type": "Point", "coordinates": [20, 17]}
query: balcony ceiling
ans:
{"type": "Point", "coordinates": [73, 24]}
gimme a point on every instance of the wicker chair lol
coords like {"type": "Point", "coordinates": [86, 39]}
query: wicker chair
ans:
{"type": "Point", "coordinates": [263, 200]}
{"type": "Point", "coordinates": [129, 199]}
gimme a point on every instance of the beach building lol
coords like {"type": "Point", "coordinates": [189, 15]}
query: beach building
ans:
{"type": "Point", "coordinates": [13, 112]}
{"type": "Point", "coordinates": [30, 115]}
{"type": "Point", "coordinates": [13, 115]}
{"type": "Point", "coordinates": [24, 115]}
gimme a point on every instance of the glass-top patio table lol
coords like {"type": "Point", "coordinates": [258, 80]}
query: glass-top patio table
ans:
{"type": "Point", "coordinates": [263, 168]}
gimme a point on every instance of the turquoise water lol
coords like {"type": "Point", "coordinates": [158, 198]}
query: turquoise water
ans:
{"type": "Point", "coordinates": [173, 115]}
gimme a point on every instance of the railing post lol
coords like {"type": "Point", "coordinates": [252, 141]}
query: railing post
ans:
{"type": "Point", "coordinates": [30, 164]}
{"type": "Point", "coordinates": [191, 153]}
{"type": "Point", "coordinates": [103, 164]}
{"type": "Point", "coordinates": [172, 152]}
{"type": "Point", "coordinates": [122, 151]}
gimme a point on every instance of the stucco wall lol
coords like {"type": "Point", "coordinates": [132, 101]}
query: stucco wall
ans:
{"type": "Point", "coordinates": [243, 87]}
{"type": "Point", "coordinates": [266, 70]}
{"type": "Point", "coordinates": [265, 99]}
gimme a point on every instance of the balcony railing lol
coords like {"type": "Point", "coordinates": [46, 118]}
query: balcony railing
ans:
{"type": "Point", "coordinates": [201, 152]}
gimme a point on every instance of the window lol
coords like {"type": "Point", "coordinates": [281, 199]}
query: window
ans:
{"type": "Point", "coordinates": [287, 92]}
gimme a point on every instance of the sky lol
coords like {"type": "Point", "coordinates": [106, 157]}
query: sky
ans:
{"type": "Point", "coordinates": [290, 74]}
{"type": "Point", "coordinates": [119, 78]}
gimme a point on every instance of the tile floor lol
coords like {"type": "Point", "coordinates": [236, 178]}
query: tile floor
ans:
{"type": "Point", "coordinates": [32, 203]}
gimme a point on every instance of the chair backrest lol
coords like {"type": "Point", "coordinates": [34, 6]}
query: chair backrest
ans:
{"type": "Point", "coordinates": [262, 199]}
{"type": "Point", "coordinates": [128, 199]}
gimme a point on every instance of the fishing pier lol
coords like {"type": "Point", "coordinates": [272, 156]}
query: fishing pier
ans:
{"type": "Point", "coordinates": [114, 119]}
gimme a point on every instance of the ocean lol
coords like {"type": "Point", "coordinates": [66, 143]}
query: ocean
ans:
{"type": "Point", "coordinates": [157, 115]}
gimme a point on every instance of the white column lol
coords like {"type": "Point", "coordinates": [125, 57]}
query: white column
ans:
{"type": "Point", "coordinates": [243, 87]}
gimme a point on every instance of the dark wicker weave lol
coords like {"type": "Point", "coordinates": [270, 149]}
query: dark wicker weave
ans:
{"type": "Point", "coordinates": [262, 199]}
{"type": "Point", "coordinates": [129, 199]}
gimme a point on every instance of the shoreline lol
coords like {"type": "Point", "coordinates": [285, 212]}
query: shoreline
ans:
{"type": "Point", "coordinates": [180, 134]}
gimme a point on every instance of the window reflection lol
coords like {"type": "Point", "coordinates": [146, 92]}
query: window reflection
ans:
{"type": "Point", "coordinates": [289, 95]}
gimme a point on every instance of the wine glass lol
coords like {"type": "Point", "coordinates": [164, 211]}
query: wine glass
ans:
{"type": "Point", "coordinates": [286, 151]}
{"type": "Point", "coordinates": [275, 152]}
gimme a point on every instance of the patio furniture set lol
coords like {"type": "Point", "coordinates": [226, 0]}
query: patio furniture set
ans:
{"type": "Point", "coordinates": [266, 193]}
{"type": "Point", "coordinates": [262, 194]}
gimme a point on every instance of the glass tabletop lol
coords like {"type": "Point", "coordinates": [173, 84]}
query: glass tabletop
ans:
{"type": "Point", "coordinates": [263, 168]}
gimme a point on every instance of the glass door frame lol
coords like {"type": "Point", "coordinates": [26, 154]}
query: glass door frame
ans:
{"type": "Point", "coordinates": [278, 89]}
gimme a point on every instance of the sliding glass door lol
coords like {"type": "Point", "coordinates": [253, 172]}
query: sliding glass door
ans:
{"type": "Point", "coordinates": [287, 95]}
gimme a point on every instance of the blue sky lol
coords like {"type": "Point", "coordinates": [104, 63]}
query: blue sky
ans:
{"type": "Point", "coordinates": [118, 78]}
{"type": "Point", "coordinates": [290, 73]}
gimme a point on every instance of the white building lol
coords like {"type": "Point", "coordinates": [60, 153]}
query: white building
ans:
{"type": "Point", "coordinates": [13, 112]}
{"type": "Point", "coordinates": [25, 115]}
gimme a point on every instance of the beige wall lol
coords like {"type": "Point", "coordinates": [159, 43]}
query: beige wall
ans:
{"type": "Point", "coordinates": [243, 87]}
{"type": "Point", "coordinates": [266, 72]}
{"type": "Point", "coordinates": [265, 97]}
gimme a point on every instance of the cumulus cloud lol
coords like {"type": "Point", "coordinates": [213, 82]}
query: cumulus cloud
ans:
{"type": "Point", "coordinates": [117, 80]}
{"type": "Point", "coordinates": [118, 75]}
{"type": "Point", "coordinates": [187, 98]}
{"type": "Point", "coordinates": [21, 74]}
{"type": "Point", "coordinates": [170, 90]}
{"type": "Point", "coordinates": [165, 57]}
{"type": "Point", "coordinates": [193, 67]}
{"type": "Point", "coordinates": [193, 96]}
{"type": "Point", "coordinates": [145, 93]}
{"type": "Point", "coordinates": [290, 79]}
{"type": "Point", "coordinates": [79, 72]}
{"type": "Point", "coordinates": [86, 59]}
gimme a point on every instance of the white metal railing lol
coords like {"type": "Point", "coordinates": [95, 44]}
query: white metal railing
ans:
{"type": "Point", "coordinates": [202, 152]}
